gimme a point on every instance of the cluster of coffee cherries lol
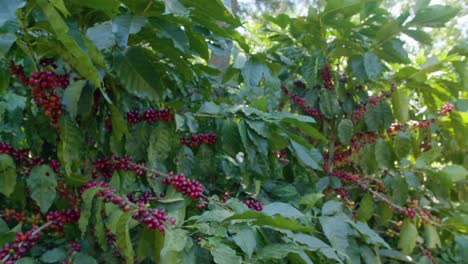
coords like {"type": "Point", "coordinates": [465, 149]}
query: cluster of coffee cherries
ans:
{"type": "Point", "coordinates": [60, 218]}
{"type": "Point", "coordinates": [74, 247]}
{"type": "Point", "coordinates": [150, 116]}
{"type": "Point", "coordinates": [43, 85]}
{"type": "Point", "coordinates": [301, 102]}
{"type": "Point", "coordinates": [18, 72]}
{"type": "Point", "coordinates": [254, 204]}
{"type": "Point", "coordinates": [189, 187]}
{"type": "Point", "coordinates": [21, 244]}
{"type": "Point", "coordinates": [153, 218]}
{"type": "Point", "coordinates": [194, 140]}
{"type": "Point", "coordinates": [106, 166]}
{"type": "Point", "coordinates": [446, 109]}
{"type": "Point", "coordinates": [22, 157]}
{"type": "Point", "coordinates": [327, 77]}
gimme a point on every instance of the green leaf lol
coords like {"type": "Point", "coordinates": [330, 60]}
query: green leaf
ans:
{"type": "Point", "coordinates": [283, 209]}
{"type": "Point", "coordinates": [419, 35]}
{"type": "Point", "coordinates": [76, 57]}
{"type": "Point", "coordinates": [254, 71]}
{"type": "Point", "coordinates": [400, 102]}
{"type": "Point", "coordinates": [6, 41]}
{"type": "Point", "coordinates": [310, 200]}
{"type": "Point", "coordinates": [261, 219]}
{"type": "Point", "coordinates": [119, 130]}
{"type": "Point", "coordinates": [8, 10]}
{"type": "Point", "coordinates": [336, 229]}
{"type": "Point", "coordinates": [456, 173]}
{"type": "Point", "coordinates": [138, 73]}
{"type": "Point", "coordinates": [314, 244]}
{"type": "Point", "coordinates": [366, 208]}
{"type": "Point", "coordinates": [58, 4]}
{"type": "Point", "coordinates": [42, 182]}
{"type": "Point", "coordinates": [81, 258]}
{"type": "Point", "coordinates": [109, 7]}
{"type": "Point", "coordinates": [403, 145]}
{"type": "Point", "coordinates": [345, 131]}
{"type": "Point", "coordinates": [408, 237]}
{"type": "Point", "coordinates": [358, 69]}
{"type": "Point", "coordinates": [383, 154]}
{"type": "Point", "coordinates": [222, 253]}
{"type": "Point", "coordinates": [245, 239]}
{"type": "Point", "coordinates": [372, 66]}
{"type": "Point", "coordinates": [123, 241]}
{"type": "Point", "coordinates": [385, 213]}
{"type": "Point", "coordinates": [87, 204]}
{"type": "Point", "coordinates": [7, 175]}
{"type": "Point", "coordinates": [70, 146]}
{"type": "Point", "coordinates": [279, 251]}
{"type": "Point", "coordinates": [159, 146]}
{"type": "Point", "coordinates": [127, 24]}
{"type": "Point", "coordinates": [329, 104]}
{"type": "Point", "coordinates": [213, 9]}
{"type": "Point", "coordinates": [431, 237]}
{"type": "Point", "coordinates": [307, 157]}
{"type": "Point", "coordinates": [174, 243]}
{"type": "Point", "coordinates": [54, 255]}
{"type": "Point", "coordinates": [71, 96]}
{"type": "Point", "coordinates": [209, 108]}
{"type": "Point", "coordinates": [369, 234]}
{"type": "Point", "coordinates": [99, 227]}
{"type": "Point", "coordinates": [101, 35]}
{"type": "Point", "coordinates": [434, 16]}
{"type": "Point", "coordinates": [150, 245]}
{"type": "Point", "coordinates": [399, 190]}
{"type": "Point", "coordinates": [26, 260]}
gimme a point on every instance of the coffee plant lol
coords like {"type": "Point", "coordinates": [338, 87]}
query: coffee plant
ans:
{"type": "Point", "coordinates": [324, 141]}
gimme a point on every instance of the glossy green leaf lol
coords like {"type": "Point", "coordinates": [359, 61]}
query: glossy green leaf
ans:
{"type": "Point", "coordinates": [87, 206]}
{"type": "Point", "coordinates": [307, 157]}
{"type": "Point", "coordinates": [125, 25]}
{"type": "Point", "coordinates": [53, 255]}
{"type": "Point", "coordinates": [42, 182]}
{"type": "Point", "coordinates": [431, 237]}
{"type": "Point", "coordinates": [434, 16]}
{"type": "Point", "coordinates": [7, 175]}
{"type": "Point", "coordinates": [138, 73]}
{"type": "Point", "coordinates": [159, 145]}
{"type": "Point", "coordinates": [345, 131]}
{"type": "Point", "coordinates": [403, 145]}
{"type": "Point", "coordinates": [372, 66]}
{"type": "Point", "coordinates": [279, 251]}
{"type": "Point", "coordinates": [329, 104]}
{"type": "Point", "coordinates": [383, 154]}
{"type": "Point", "coordinates": [110, 7]}
{"type": "Point", "coordinates": [408, 237]}
{"type": "Point", "coordinates": [456, 173]}
{"type": "Point", "coordinates": [366, 208]}
{"type": "Point", "coordinates": [400, 102]}
{"type": "Point", "coordinates": [261, 219]}
{"type": "Point", "coordinates": [71, 97]}
{"type": "Point", "coordinates": [245, 239]}
{"type": "Point", "coordinates": [385, 213]}
{"type": "Point", "coordinates": [123, 241]}
{"type": "Point", "coordinates": [222, 253]}
{"type": "Point", "coordinates": [82, 258]}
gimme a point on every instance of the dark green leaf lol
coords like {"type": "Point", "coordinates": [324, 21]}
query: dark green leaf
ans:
{"type": "Point", "coordinates": [159, 146]}
{"type": "Point", "coordinates": [123, 242]}
{"type": "Point", "coordinates": [329, 104]}
{"type": "Point", "coordinates": [345, 131]}
{"type": "Point", "coordinates": [277, 221]}
{"type": "Point", "coordinates": [400, 101]}
{"type": "Point", "coordinates": [408, 237]}
{"type": "Point", "coordinates": [87, 205]}
{"type": "Point", "coordinates": [283, 209]}
{"type": "Point", "coordinates": [71, 96]}
{"type": "Point", "coordinates": [81, 258]}
{"type": "Point", "coordinates": [307, 157]}
{"type": "Point", "coordinates": [54, 255]}
{"type": "Point", "coordinates": [279, 251]}
{"type": "Point", "coordinates": [127, 24]}
{"type": "Point", "coordinates": [403, 144]}
{"type": "Point", "coordinates": [42, 182]}
{"type": "Point", "coordinates": [7, 175]}
{"type": "Point", "coordinates": [372, 65]}
{"type": "Point", "coordinates": [222, 253]}
{"type": "Point", "coordinates": [434, 16]}
{"type": "Point", "coordinates": [138, 73]}
{"type": "Point", "coordinates": [383, 154]}
{"type": "Point", "coordinates": [366, 208]}
{"type": "Point", "coordinates": [245, 239]}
